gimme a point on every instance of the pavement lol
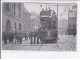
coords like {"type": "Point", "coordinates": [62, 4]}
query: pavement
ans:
{"type": "Point", "coordinates": [64, 43]}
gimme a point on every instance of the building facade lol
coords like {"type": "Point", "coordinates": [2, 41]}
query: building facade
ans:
{"type": "Point", "coordinates": [35, 17]}
{"type": "Point", "coordinates": [27, 21]}
{"type": "Point", "coordinates": [12, 17]}
{"type": "Point", "coordinates": [15, 17]}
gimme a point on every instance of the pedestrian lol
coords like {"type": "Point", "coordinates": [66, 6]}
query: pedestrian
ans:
{"type": "Point", "coordinates": [42, 35]}
{"type": "Point", "coordinates": [20, 37]}
{"type": "Point", "coordinates": [35, 35]}
{"type": "Point", "coordinates": [38, 36]}
{"type": "Point", "coordinates": [11, 37]}
{"type": "Point", "coordinates": [20, 40]}
{"type": "Point", "coordinates": [26, 36]}
{"type": "Point", "coordinates": [5, 37]}
{"type": "Point", "coordinates": [74, 33]}
{"type": "Point", "coordinates": [17, 38]}
{"type": "Point", "coordinates": [31, 37]}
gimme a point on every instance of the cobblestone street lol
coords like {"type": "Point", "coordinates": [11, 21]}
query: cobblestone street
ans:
{"type": "Point", "coordinates": [64, 43]}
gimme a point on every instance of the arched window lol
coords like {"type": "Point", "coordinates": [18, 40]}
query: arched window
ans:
{"type": "Point", "coordinates": [8, 25]}
{"type": "Point", "coordinates": [20, 26]}
{"type": "Point", "coordinates": [15, 27]}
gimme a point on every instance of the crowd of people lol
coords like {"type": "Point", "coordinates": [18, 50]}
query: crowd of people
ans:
{"type": "Point", "coordinates": [9, 35]}
{"type": "Point", "coordinates": [34, 35]}
{"type": "Point", "coordinates": [18, 36]}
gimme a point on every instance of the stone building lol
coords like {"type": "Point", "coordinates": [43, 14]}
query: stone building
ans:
{"type": "Point", "coordinates": [35, 17]}
{"type": "Point", "coordinates": [15, 17]}
{"type": "Point", "coordinates": [27, 21]}
{"type": "Point", "coordinates": [12, 17]}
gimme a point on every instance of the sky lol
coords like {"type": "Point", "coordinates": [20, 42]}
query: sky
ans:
{"type": "Point", "coordinates": [61, 8]}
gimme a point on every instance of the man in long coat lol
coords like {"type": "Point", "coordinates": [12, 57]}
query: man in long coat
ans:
{"type": "Point", "coordinates": [38, 36]}
{"type": "Point", "coordinates": [31, 36]}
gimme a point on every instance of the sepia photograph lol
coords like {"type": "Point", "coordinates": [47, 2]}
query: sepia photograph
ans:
{"type": "Point", "coordinates": [36, 26]}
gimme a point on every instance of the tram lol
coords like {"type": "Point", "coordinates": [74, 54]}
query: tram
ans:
{"type": "Point", "coordinates": [49, 25]}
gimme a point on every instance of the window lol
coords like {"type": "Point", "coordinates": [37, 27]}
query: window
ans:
{"type": "Point", "coordinates": [7, 6]}
{"type": "Point", "coordinates": [19, 10]}
{"type": "Point", "coordinates": [14, 9]}
{"type": "Point", "coordinates": [8, 25]}
{"type": "Point", "coordinates": [10, 8]}
{"type": "Point", "coordinates": [20, 26]}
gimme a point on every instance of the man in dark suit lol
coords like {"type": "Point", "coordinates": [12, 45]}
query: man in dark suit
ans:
{"type": "Point", "coordinates": [35, 35]}
{"type": "Point", "coordinates": [38, 36]}
{"type": "Point", "coordinates": [31, 36]}
{"type": "Point", "coordinates": [11, 36]}
{"type": "Point", "coordinates": [5, 37]}
{"type": "Point", "coordinates": [74, 32]}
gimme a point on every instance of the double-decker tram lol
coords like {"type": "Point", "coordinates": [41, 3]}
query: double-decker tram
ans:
{"type": "Point", "coordinates": [49, 25]}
